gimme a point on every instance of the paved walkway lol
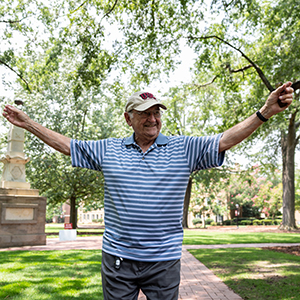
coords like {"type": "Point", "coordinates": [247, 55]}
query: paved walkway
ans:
{"type": "Point", "coordinates": [197, 281]}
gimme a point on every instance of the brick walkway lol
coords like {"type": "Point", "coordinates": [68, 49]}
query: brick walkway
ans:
{"type": "Point", "coordinates": [197, 281]}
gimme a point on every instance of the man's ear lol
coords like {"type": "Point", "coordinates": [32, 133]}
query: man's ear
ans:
{"type": "Point", "coordinates": [127, 118]}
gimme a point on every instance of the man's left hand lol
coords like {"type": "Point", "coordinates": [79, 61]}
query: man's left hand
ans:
{"type": "Point", "coordinates": [284, 93]}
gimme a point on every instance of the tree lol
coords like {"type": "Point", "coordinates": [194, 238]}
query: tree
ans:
{"type": "Point", "coordinates": [269, 199]}
{"type": "Point", "coordinates": [255, 192]}
{"type": "Point", "coordinates": [206, 192]}
{"type": "Point", "coordinates": [248, 66]}
{"type": "Point", "coordinates": [297, 190]}
{"type": "Point", "coordinates": [185, 117]}
{"type": "Point", "coordinates": [63, 69]}
{"type": "Point", "coordinates": [238, 65]}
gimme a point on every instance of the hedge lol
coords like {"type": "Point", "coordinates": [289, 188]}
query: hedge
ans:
{"type": "Point", "coordinates": [197, 221]}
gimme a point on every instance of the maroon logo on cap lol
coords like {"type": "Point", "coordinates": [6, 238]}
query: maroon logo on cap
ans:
{"type": "Point", "coordinates": [144, 96]}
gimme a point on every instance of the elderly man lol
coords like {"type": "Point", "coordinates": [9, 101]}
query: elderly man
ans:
{"type": "Point", "coordinates": [146, 176]}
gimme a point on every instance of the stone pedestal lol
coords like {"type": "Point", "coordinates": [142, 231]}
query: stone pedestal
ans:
{"type": "Point", "coordinates": [22, 218]}
{"type": "Point", "coordinates": [22, 210]}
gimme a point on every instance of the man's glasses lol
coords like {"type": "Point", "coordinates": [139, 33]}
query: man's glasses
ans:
{"type": "Point", "coordinates": [146, 114]}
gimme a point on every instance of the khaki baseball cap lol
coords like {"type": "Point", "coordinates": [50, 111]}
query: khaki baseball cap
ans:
{"type": "Point", "coordinates": [142, 101]}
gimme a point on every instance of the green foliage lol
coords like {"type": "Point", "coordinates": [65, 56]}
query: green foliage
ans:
{"type": "Point", "coordinates": [257, 222]}
{"type": "Point", "coordinates": [249, 48]}
{"type": "Point", "coordinates": [52, 210]}
{"type": "Point", "coordinates": [97, 220]}
{"type": "Point", "coordinates": [255, 192]}
{"type": "Point", "coordinates": [228, 222]}
{"type": "Point", "coordinates": [267, 222]}
{"type": "Point", "coordinates": [77, 73]}
{"type": "Point", "coordinates": [246, 222]}
{"type": "Point", "coordinates": [209, 221]}
{"type": "Point", "coordinates": [206, 189]}
{"type": "Point", "coordinates": [197, 221]}
{"type": "Point", "coordinates": [216, 223]}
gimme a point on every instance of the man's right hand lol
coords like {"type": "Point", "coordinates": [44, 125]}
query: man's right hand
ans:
{"type": "Point", "coordinates": [55, 140]}
{"type": "Point", "coordinates": [15, 116]}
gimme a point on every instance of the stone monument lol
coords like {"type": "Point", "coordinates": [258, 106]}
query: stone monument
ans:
{"type": "Point", "coordinates": [22, 210]}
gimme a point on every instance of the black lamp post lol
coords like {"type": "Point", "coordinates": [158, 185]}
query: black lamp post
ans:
{"type": "Point", "coordinates": [237, 216]}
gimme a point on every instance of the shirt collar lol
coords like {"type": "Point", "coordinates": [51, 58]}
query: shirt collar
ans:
{"type": "Point", "coordinates": [160, 140]}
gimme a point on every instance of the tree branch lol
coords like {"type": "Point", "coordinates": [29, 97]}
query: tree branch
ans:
{"type": "Point", "coordinates": [230, 70]}
{"type": "Point", "coordinates": [238, 70]}
{"type": "Point", "coordinates": [258, 70]}
{"type": "Point", "coordinates": [206, 84]}
{"type": "Point", "coordinates": [296, 85]}
{"type": "Point", "coordinates": [78, 7]}
{"type": "Point", "coordinates": [19, 75]}
{"type": "Point", "coordinates": [13, 22]}
{"type": "Point", "coordinates": [113, 7]}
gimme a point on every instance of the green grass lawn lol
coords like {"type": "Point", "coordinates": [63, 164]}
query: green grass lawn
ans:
{"type": "Point", "coordinates": [75, 274]}
{"type": "Point", "coordinates": [253, 273]}
{"type": "Point", "coordinates": [202, 237]}
{"type": "Point", "coordinates": [53, 275]}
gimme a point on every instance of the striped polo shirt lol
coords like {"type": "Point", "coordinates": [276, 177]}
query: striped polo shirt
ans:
{"type": "Point", "coordinates": [144, 192]}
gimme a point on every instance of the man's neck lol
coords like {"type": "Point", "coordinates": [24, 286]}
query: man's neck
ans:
{"type": "Point", "coordinates": [144, 144]}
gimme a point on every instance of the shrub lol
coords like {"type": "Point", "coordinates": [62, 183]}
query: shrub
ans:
{"type": "Point", "coordinates": [197, 221]}
{"type": "Point", "coordinates": [97, 220]}
{"type": "Point", "coordinates": [208, 221]}
{"type": "Point", "coordinates": [246, 222]}
{"type": "Point", "coordinates": [227, 222]}
{"type": "Point", "coordinates": [216, 224]}
{"type": "Point", "coordinates": [267, 222]}
{"type": "Point", "coordinates": [256, 222]}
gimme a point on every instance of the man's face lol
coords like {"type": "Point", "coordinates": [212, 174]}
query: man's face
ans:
{"type": "Point", "coordinates": [146, 125]}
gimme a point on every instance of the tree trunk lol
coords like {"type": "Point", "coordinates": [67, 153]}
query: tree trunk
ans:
{"type": "Point", "coordinates": [288, 144]}
{"type": "Point", "coordinates": [203, 219]}
{"type": "Point", "coordinates": [73, 212]}
{"type": "Point", "coordinates": [186, 204]}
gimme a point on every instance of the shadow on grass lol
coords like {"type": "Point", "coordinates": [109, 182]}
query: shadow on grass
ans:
{"type": "Point", "coordinates": [51, 275]}
{"type": "Point", "coordinates": [254, 273]}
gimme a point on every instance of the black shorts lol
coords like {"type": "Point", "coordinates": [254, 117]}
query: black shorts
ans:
{"type": "Point", "coordinates": [158, 280]}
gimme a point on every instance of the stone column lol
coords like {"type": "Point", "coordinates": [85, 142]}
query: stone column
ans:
{"type": "Point", "coordinates": [13, 175]}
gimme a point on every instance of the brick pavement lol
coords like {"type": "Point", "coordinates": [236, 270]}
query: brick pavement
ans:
{"type": "Point", "coordinates": [197, 281]}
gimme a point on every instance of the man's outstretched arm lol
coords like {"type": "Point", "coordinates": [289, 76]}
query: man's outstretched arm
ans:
{"type": "Point", "coordinates": [241, 131]}
{"type": "Point", "coordinates": [55, 140]}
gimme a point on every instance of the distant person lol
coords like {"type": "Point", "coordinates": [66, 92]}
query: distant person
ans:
{"type": "Point", "coordinates": [146, 176]}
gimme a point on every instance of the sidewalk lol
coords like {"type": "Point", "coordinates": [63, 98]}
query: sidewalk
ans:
{"type": "Point", "coordinates": [197, 281]}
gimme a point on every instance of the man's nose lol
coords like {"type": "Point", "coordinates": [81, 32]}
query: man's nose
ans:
{"type": "Point", "coordinates": [151, 117]}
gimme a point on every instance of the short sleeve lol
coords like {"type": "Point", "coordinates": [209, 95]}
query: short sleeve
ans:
{"type": "Point", "coordinates": [88, 154]}
{"type": "Point", "coordinates": [203, 152]}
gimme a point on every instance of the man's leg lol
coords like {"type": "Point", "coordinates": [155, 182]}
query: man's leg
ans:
{"type": "Point", "coordinates": [118, 283]}
{"type": "Point", "coordinates": [160, 281]}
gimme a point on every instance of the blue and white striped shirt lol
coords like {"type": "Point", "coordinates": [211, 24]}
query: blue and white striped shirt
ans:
{"type": "Point", "coordinates": [144, 192]}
